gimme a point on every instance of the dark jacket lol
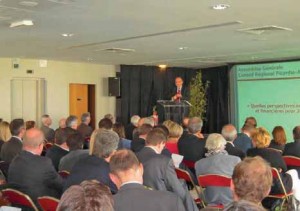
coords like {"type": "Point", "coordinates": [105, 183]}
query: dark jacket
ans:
{"type": "Point", "coordinates": [11, 149]}
{"type": "Point", "coordinates": [55, 153]}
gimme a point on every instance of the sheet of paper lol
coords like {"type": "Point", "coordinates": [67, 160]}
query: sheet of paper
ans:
{"type": "Point", "coordinates": [177, 159]}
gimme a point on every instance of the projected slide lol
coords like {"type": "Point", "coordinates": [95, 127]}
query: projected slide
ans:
{"type": "Point", "coordinates": [270, 93]}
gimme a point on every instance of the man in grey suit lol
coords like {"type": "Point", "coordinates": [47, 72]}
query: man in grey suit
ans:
{"type": "Point", "coordinates": [127, 174]}
{"type": "Point", "coordinates": [14, 146]}
{"type": "Point", "coordinates": [48, 132]}
{"type": "Point", "coordinates": [159, 170]}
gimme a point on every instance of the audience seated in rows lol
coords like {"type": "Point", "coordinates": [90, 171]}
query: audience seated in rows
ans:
{"type": "Point", "coordinates": [88, 195]}
{"type": "Point", "coordinates": [104, 143]}
{"type": "Point", "coordinates": [127, 174]}
{"type": "Point", "coordinates": [191, 145]}
{"type": "Point", "coordinates": [159, 170]}
{"type": "Point", "coordinates": [14, 146]}
{"type": "Point", "coordinates": [84, 129]}
{"type": "Point", "coordinates": [31, 173]}
{"type": "Point", "coordinates": [48, 132]}
{"type": "Point", "coordinates": [138, 144]}
{"type": "Point", "coordinates": [60, 148]}
{"type": "Point", "coordinates": [75, 144]}
{"type": "Point", "coordinates": [217, 161]}
{"type": "Point", "coordinates": [175, 132]}
{"type": "Point", "coordinates": [243, 140]}
{"type": "Point", "coordinates": [5, 134]}
{"type": "Point", "coordinates": [252, 180]}
{"type": "Point", "coordinates": [279, 139]}
{"type": "Point", "coordinates": [134, 120]}
{"type": "Point", "coordinates": [229, 133]}
{"type": "Point", "coordinates": [120, 130]}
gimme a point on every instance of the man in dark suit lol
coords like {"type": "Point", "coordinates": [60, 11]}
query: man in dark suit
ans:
{"type": "Point", "coordinates": [14, 146]}
{"type": "Point", "coordinates": [137, 145]}
{"type": "Point", "coordinates": [229, 133]}
{"type": "Point", "coordinates": [60, 148]}
{"type": "Point", "coordinates": [192, 145]}
{"type": "Point", "coordinates": [243, 140]}
{"type": "Point", "coordinates": [179, 92]}
{"type": "Point", "coordinates": [84, 129]}
{"type": "Point", "coordinates": [127, 174]}
{"type": "Point", "coordinates": [96, 166]}
{"type": "Point", "coordinates": [159, 170]}
{"type": "Point", "coordinates": [48, 132]}
{"type": "Point", "coordinates": [31, 173]}
{"type": "Point", "coordinates": [293, 149]}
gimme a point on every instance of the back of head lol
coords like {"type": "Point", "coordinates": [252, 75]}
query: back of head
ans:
{"type": "Point", "coordinates": [135, 120]}
{"type": "Point", "coordinates": [105, 142]}
{"type": "Point", "coordinates": [156, 137]}
{"type": "Point", "coordinates": [119, 129]}
{"type": "Point", "coordinates": [123, 161]}
{"type": "Point", "coordinates": [261, 138]}
{"type": "Point", "coordinates": [248, 128]}
{"type": "Point", "coordinates": [85, 117]}
{"type": "Point", "coordinates": [144, 129]}
{"type": "Point", "coordinates": [252, 179]}
{"type": "Point", "coordinates": [164, 129]}
{"type": "Point", "coordinates": [105, 124]}
{"type": "Point", "coordinates": [62, 134]}
{"type": "Point", "coordinates": [175, 130]}
{"type": "Point", "coordinates": [29, 124]}
{"type": "Point", "coordinates": [215, 142]}
{"type": "Point", "coordinates": [195, 125]}
{"type": "Point", "coordinates": [33, 138]}
{"type": "Point", "coordinates": [72, 122]}
{"type": "Point", "coordinates": [296, 133]}
{"type": "Point", "coordinates": [16, 126]}
{"type": "Point", "coordinates": [89, 195]}
{"type": "Point", "coordinates": [279, 136]}
{"type": "Point", "coordinates": [229, 132]}
{"type": "Point", "coordinates": [110, 116]}
{"type": "Point", "coordinates": [5, 133]}
{"type": "Point", "coordinates": [75, 141]}
{"type": "Point", "coordinates": [150, 121]}
{"type": "Point", "coordinates": [251, 121]}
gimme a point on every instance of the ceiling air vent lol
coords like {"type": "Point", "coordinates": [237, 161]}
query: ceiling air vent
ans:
{"type": "Point", "coordinates": [118, 50]}
{"type": "Point", "coordinates": [264, 29]}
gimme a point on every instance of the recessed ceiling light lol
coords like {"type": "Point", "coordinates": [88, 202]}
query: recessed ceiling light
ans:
{"type": "Point", "coordinates": [29, 3]}
{"type": "Point", "coordinates": [67, 35]}
{"type": "Point", "coordinates": [162, 66]}
{"type": "Point", "coordinates": [183, 48]}
{"type": "Point", "coordinates": [221, 6]}
{"type": "Point", "coordinates": [21, 23]}
{"type": "Point", "coordinates": [90, 59]}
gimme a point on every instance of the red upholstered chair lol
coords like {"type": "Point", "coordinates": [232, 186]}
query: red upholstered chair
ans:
{"type": "Point", "coordinates": [18, 198]}
{"type": "Point", "coordinates": [285, 195]}
{"type": "Point", "coordinates": [182, 174]}
{"type": "Point", "coordinates": [64, 174]}
{"type": "Point", "coordinates": [189, 164]}
{"type": "Point", "coordinates": [48, 203]}
{"type": "Point", "coordinates": [292, 161]}
{"type": "Point", "coordinates": [215, 180]}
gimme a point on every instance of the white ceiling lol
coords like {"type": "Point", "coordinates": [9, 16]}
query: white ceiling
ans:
{"type": "Point", "coordinates": [154, 28]}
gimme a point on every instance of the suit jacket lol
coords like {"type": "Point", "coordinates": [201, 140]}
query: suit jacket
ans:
{"type": "Point", "coordinates": [232, 150]}
{"type": "Point", "coordinates": [68, 161]}
{"type": "Point", "coordinates": [243, 142]}
{"type": "Point", "coordinates": [89, 168]}
{"type": "Point", "coordinates": [10, 149]}
{"type": "Point", "coordinates": [137, 145]}
{"type": "Point", "coordinates": [55, 153]}
{"type": "Point", "coordinates": [48, 133]}
{"type": "Point", "coordinates": [85, 130]}
{"type": "Point", "coordinates": [191, 147]}
{"type": "Point", "coordinates": [135, 197]}
{"type": "Point", "coordinates": [217, 164]}
{"type": "Point", "coordinates": [34, 175]}
{"type": "Point", "coordinates": [185, 92]}
{"type": "Point", "coordinates": [292, 149]}
{"type": "Point", "coordinates": [159, 174]}
{"type": "Point", "coordinates": [129, 131]}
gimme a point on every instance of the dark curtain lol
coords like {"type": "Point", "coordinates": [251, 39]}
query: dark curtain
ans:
{"type": "Point", "coordinates": [142, 86]}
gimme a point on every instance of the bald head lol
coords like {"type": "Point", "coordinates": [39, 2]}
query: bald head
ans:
{"type": "Point", "coordinates": [33, 138]}
{"type": "Point", "coordinates": [229, 132]}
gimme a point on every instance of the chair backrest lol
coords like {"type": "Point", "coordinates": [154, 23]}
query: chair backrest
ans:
{"type": "Point", "coordinates": [18, 198]}
{"type": "Point", "coordinates": [64, 174]}
{"type": "Point", "coordinates": [182, 174]}
{"type": "Point", "coordinates": [292, 161]}
{"type": "Point", "coordinates": [214, 180]}
{"type": "Point", "coordinates": [276, 175]}
{"type": "Point", "coordinates": [48, 203]}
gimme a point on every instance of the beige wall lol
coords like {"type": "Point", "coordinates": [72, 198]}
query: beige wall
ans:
{"type": "Point", "coordinates": [58, 76]}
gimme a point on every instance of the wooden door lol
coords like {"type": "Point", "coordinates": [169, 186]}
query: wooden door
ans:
{"type": "Point", "coordinates": [78, 99]}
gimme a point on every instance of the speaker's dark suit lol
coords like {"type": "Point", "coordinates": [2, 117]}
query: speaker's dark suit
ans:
{"type": "Point", "coordinates": [55, 153]}
{"type": "Point", "coordinates": [232, 150]}
{"type": "Point", "coordinates": [135, 197]}
{"type": "Point", "coordinates": [10, 149]}
{"type": "Point", "coordinates": [185, 93]}
{"type": "Point", "coordinates": [159, 174]}
{"type": "Point", "coordinates": [34, 175]}
{"type": "Point", "coordinates": [89, 168]}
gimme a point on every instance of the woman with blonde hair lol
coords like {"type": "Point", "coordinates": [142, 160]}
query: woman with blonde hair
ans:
{"type": "Point", "coordinates": [175, 132]}
{"type": "Point", "coordinates": [5, 134]}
